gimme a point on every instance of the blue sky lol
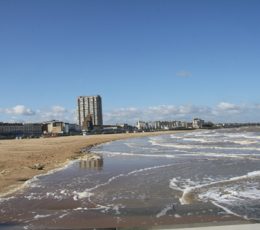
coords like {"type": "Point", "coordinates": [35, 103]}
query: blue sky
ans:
{"type": "Point", "coordinates": [164, 59]}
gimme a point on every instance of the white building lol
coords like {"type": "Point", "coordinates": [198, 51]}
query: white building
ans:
{"type": "Point", "coordinates": [197, 123]}
{"type": "Point", "coordinates": [141, 125]}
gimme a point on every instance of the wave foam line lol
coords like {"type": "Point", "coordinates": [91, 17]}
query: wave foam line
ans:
{"type": "Point", "coordinates": [179, 146]}
{"type": "Point", "coordinates": [187, 192]}
{"type": "Point", "coordinates": [164, 211]}
{"type": "Point", "coordinates": [89, 192]}
{"type": "Point", "coordinates": [36, 178]}
{"type": "Point", "coordinates": [227, 210]}
{"type": "Point", "coordinates": [252, 156]}
{"type": "Point", "coordinates": [186, 153]}
{"type": "Point", "coordinates": [133, 154]}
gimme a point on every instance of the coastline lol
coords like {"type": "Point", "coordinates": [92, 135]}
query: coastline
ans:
{"type": "Point", "coordinates": [18, 158]}
{"type": "Point", "coordinates": [69, 149]}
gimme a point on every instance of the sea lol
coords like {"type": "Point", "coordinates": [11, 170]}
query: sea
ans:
{"type": "Point", "coordinates": [184, 177]}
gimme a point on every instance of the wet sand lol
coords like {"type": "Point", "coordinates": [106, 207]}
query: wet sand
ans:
{"type": "Point", "coordinates": [19, 159]}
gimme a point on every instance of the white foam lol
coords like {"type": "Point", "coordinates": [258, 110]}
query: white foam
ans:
{"type": "Point", "coordinates": [186, 146]}
{"type": "Point", "coordinates": [53, 195]}
{"type": "Point", "coordinates": [188, 190]}
{"type": "Point", "coordinates": [245, 142]}
{"type": "Point", "coordinates": [233, 194]}
{"type": "Point", "coordinates": [41, 216]}
{"type": "Point", "coordinates": [225, 209]}
{"type": "Point", "coordinates": [164, 211]}
{"type": "Point", "coordinates": [174, 186]}
{"type": "Point", "coordinates": [81, 195]}
{"type": "Point", "coordinates": [251, 156]}
{"type": "Point", "coordinates": [30, 182]}
{"type": "Point", "coordinates": [107, 153]}
{"type": "Point", "coordinates": [3, 199]}
{"type": "Point", "coordinates": [117, 207]}
{"type": "Point", "coordinates": [63, 215]}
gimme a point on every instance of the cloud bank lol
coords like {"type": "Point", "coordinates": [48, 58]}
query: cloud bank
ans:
{"type": "Point", "coordinates": [18, 110]}
{"type": "Point", "coordinates": [222, 112]}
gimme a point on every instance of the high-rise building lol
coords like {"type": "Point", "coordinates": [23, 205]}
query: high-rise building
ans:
{"type": "Point", "coordinates": [90, 106]}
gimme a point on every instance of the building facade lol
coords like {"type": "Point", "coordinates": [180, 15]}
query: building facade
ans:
{"type": "Point", "coordinates": [92, 106]}
{"type": "Point", "coordinates": [20, 129]}
{"type": "Point", "coordinates": [57, 127]}
{"type": "Point", "coordinates": [197, 123]}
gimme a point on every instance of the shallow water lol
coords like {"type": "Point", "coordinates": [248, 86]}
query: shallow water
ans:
{"type": "Point", "coordinates": [184, 177]}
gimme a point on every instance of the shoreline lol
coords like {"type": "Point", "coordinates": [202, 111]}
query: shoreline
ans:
{"type": "Point", "coordinates": [19, 159]}
{"type": "Point", "coordinates": [78, 147]}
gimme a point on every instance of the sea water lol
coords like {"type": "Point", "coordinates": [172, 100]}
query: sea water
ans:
{"type": "Point", "coordinates": [204, 173]}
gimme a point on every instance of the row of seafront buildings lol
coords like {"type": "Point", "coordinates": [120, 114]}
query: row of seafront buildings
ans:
{"type": "Point", "coordinates": [89, 115]}
{"type": "Point", "coordinates": [170, 125]}
{"type": "Point", "coordinates": [49, 128]}
{"type": "Point", "coordinates": [90, 120]}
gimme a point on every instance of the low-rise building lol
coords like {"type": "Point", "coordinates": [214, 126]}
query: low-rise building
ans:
{"type": "Point", "coordinates": [32, 129]}
{"type": "Point", "coordinates": [56, 128]}
{"type": "Point", "coordinates": [12, 130]}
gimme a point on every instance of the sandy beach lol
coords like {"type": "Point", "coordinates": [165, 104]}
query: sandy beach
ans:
{"type": "Point", "coordinates": [19, 158]}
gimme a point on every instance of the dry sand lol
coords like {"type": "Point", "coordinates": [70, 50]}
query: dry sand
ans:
{"type": "Point", "coordinates": [18, 157]}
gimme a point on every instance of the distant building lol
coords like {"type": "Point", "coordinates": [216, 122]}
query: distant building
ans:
{"type": "Point", "coordinates": [141, 125]}
{"type": "Point", "coordinates": [92, 106]}
{"type": "Point", "coordinates": [32, 129]}
{"type": "Point", "coordinates": [12, 130]}
{"type": "Point", "coordinates": [74, 129]}
{"type": "Point", "coordinates": [197, 123]}
{"type": "Point", "coordinates": [56, 128]}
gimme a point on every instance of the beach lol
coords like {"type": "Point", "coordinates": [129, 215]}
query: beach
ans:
{"type": "Point", "coordinates": [20, 160]}
{"type": "Point", "coordinates": [206, 177]}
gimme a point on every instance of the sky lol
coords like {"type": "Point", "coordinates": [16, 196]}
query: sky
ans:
{"type": "Point", "coordinates": [148, 59]}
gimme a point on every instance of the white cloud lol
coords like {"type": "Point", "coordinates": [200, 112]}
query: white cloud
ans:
{"type": "Point", "coordinates": [229, 108]}
{"type": "Point", "coordinates": [184, 74]}
{"type": "Point", "coordinates": [161, 112]}
{"type": "Point", "coordinates": [22, 113]}
{"type": "Point", "coordinates": [56, 113]}
{"type": "Point", "coordinates": [225, 106]}
{"type": "Point", "coordinates": [19, 110]}
{"type": "Point", "coordinates": [58, 109]}
{"type": "Point", "coordinates": [222, 112]}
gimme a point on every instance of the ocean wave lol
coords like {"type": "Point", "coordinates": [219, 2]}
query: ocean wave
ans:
{"type": "Point", "coordinates": [183, 153]}
{"type": "Point", "coordinates": [187, 146]}
{"type": "Point", "coordinates": [87, 193]}
{"type": "Point", "coordinates": [108, 153]}
{"type": "Point", "coordinates": [249, 156]}
{"type": "Point", "coordinates": [222, 193]}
